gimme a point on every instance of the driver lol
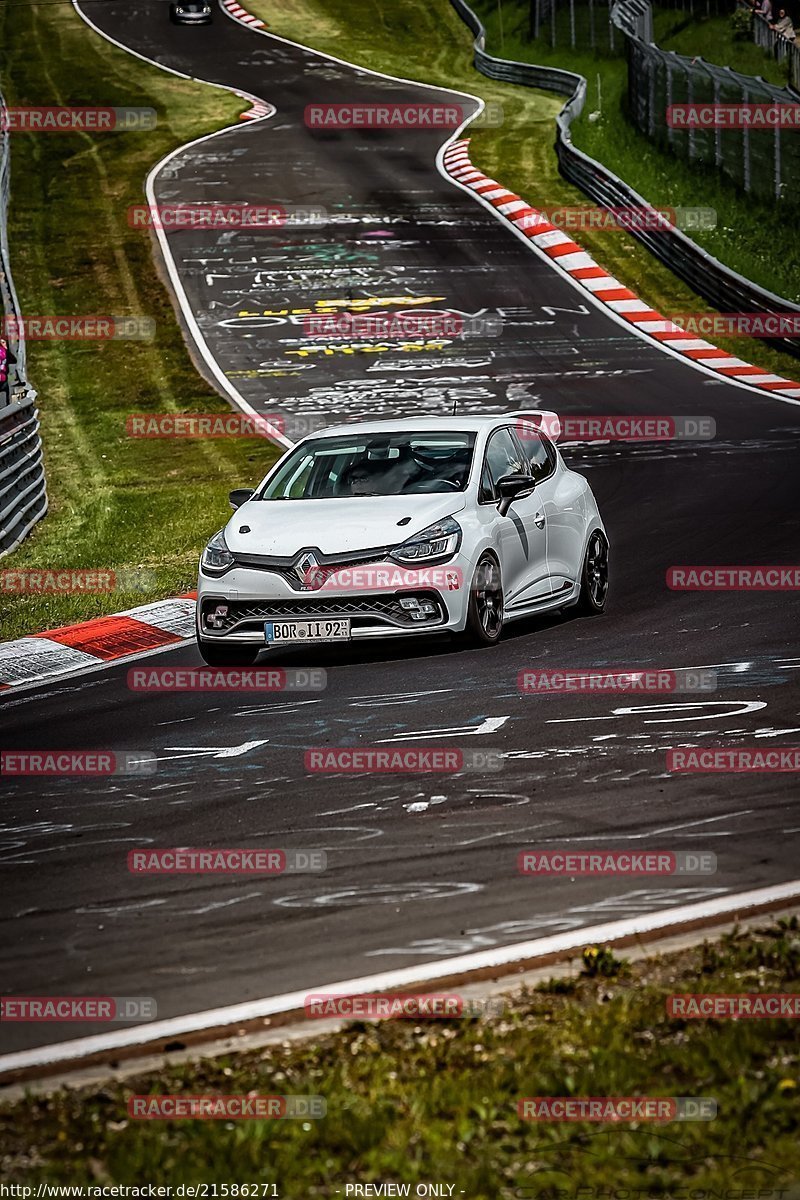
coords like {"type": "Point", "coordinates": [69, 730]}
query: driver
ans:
{"type": "Point", "coordinates": [360, 478]}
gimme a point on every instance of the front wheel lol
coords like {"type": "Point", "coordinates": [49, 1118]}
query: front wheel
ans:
{"type": "Point", "coordinates": [227, 656]}
{"type": "Point", "coordinates": [594, 577]}
{"type": "Point", "coordinates": [486, 603]}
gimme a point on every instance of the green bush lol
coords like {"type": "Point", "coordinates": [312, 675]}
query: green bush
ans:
{"type": "Point", "coordinates": [741, 22]}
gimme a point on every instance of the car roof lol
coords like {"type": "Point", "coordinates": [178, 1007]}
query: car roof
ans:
{"type": "Point", "coordinates": [469, 424]}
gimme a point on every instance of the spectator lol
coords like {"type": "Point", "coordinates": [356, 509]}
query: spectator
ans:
{"type": "Point", "coordinates": [763, 9]}
{"type": "Point", "coordinates": [7, 359]}
{"type": "Point", "coordinates": [783, 26]}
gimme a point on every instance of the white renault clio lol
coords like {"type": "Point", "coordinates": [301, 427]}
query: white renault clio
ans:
{"type": "Point", "coordinates": [398, 528]}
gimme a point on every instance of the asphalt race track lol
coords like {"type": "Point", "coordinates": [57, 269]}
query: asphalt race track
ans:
{"type": "Point", "coordinates": [419, 867]}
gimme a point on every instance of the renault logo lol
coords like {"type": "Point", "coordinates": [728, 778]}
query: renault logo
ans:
{"type": "Point", "coordinates": [307, 569]}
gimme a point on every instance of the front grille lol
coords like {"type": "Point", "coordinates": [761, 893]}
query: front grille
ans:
{"type": "Point", "coordinates": [327, 564]}
{"type": "Point", "coordinates": [364, 611]}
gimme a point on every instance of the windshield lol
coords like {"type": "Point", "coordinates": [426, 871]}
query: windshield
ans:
{"type": "Point", "coordinates": [374, 464]}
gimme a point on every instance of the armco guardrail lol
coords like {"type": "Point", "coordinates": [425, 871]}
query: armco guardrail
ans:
{"type": "Point", "coordinates": [763, 163]}
{"type": "Point", "coordinates": [719, 285]}
{"type": "Point", "coordinates": [23, 494]}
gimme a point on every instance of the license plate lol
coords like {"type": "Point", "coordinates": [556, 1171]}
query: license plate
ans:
{"type": "Point", "coordinates": [337, 630]}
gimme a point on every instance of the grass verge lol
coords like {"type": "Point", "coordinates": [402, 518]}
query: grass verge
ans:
{"type": "Point", "coordinates": [714, 40]}
{"type": "Point", "coordinates": [421, 1101]}
{"type": "Point", "coordinates": [428, 42]}
{"type": "Point", "coordinates": [115, 502]}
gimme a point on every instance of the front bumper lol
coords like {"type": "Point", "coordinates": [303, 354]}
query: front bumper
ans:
{"type": "Point", "coordinates": [427, 601]}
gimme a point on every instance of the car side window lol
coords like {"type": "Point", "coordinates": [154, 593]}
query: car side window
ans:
{"type": "Point", "coordinates": [502, 458]}
{"type": "Point", "coordinates": [539, 457]}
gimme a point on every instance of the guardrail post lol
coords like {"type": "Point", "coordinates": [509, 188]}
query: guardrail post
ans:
{"type": "Point", "coordinates": [745, 147]}
{"type": "Point", "coordinates": [610, 28]}
{"type": "Point", "coordinates": [717, 130]}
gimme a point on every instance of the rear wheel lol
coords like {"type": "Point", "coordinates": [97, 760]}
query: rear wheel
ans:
{"type": "Point", "coordinates": [594, 577]}
{"type": "Point", "coordinates": [227, 656]}
{"type": "Point", "coordinates": [485, 612]}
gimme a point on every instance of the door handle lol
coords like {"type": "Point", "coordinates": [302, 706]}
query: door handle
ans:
{"type": "Point", "coordinates": [538, 520]}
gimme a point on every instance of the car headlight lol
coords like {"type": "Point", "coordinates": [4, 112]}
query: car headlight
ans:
{"type": "Point", "coordinates": [437, 543]}
{"type": "Point", "coordinates": [217, 558]}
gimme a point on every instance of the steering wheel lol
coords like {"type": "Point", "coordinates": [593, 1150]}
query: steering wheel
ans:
{"type": "Point", "coordinates": [432, 460]}
{"type": "Point", "coordinates": [433, 485]}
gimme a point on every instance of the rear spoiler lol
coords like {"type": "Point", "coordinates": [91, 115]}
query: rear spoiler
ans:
{"type": "Point", "coordinates": [539, 419]}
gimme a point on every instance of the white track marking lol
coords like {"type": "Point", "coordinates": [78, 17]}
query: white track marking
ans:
{"type": "Point", "coordinates": [733, 708]}
{"type": "Point", "coordinates": [497, 957]}
{"type": "Point", "coordinates": [648, 833]}
{"type": "Point", "coordinates": [214, 751]}
{"type": "Point", "coordinates": [488, 725]}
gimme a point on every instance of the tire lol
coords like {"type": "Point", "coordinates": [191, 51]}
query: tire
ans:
{"type": "Point", "coordinates": [594, 577]}
{"type": "Point", "coordinates": [227, 656]}
{"type": "Point", "coordinates": [486, 603]}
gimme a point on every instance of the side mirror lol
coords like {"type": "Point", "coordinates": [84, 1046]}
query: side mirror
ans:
{"type": "Point", "coordinates": [511, 488]}
{"type": "Point", "coordinates": [240, 496]}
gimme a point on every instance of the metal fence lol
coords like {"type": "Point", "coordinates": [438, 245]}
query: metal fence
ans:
{"type": "Point", "coordinates": [591, 24]}
{"type": "Point", "coordinates": [23, 495]}
{"type": "Point", "coordinates": [723, 288]}
{"type": "Point", "coordinates": [763, 162]}
{"type": "Point", "coordinates": [579, 24]}
{"type": "Point", "coordinates": [779, 47]}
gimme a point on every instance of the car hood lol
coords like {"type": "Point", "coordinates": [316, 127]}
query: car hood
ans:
{"type": "Point", "coordinates": [335, 526]}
